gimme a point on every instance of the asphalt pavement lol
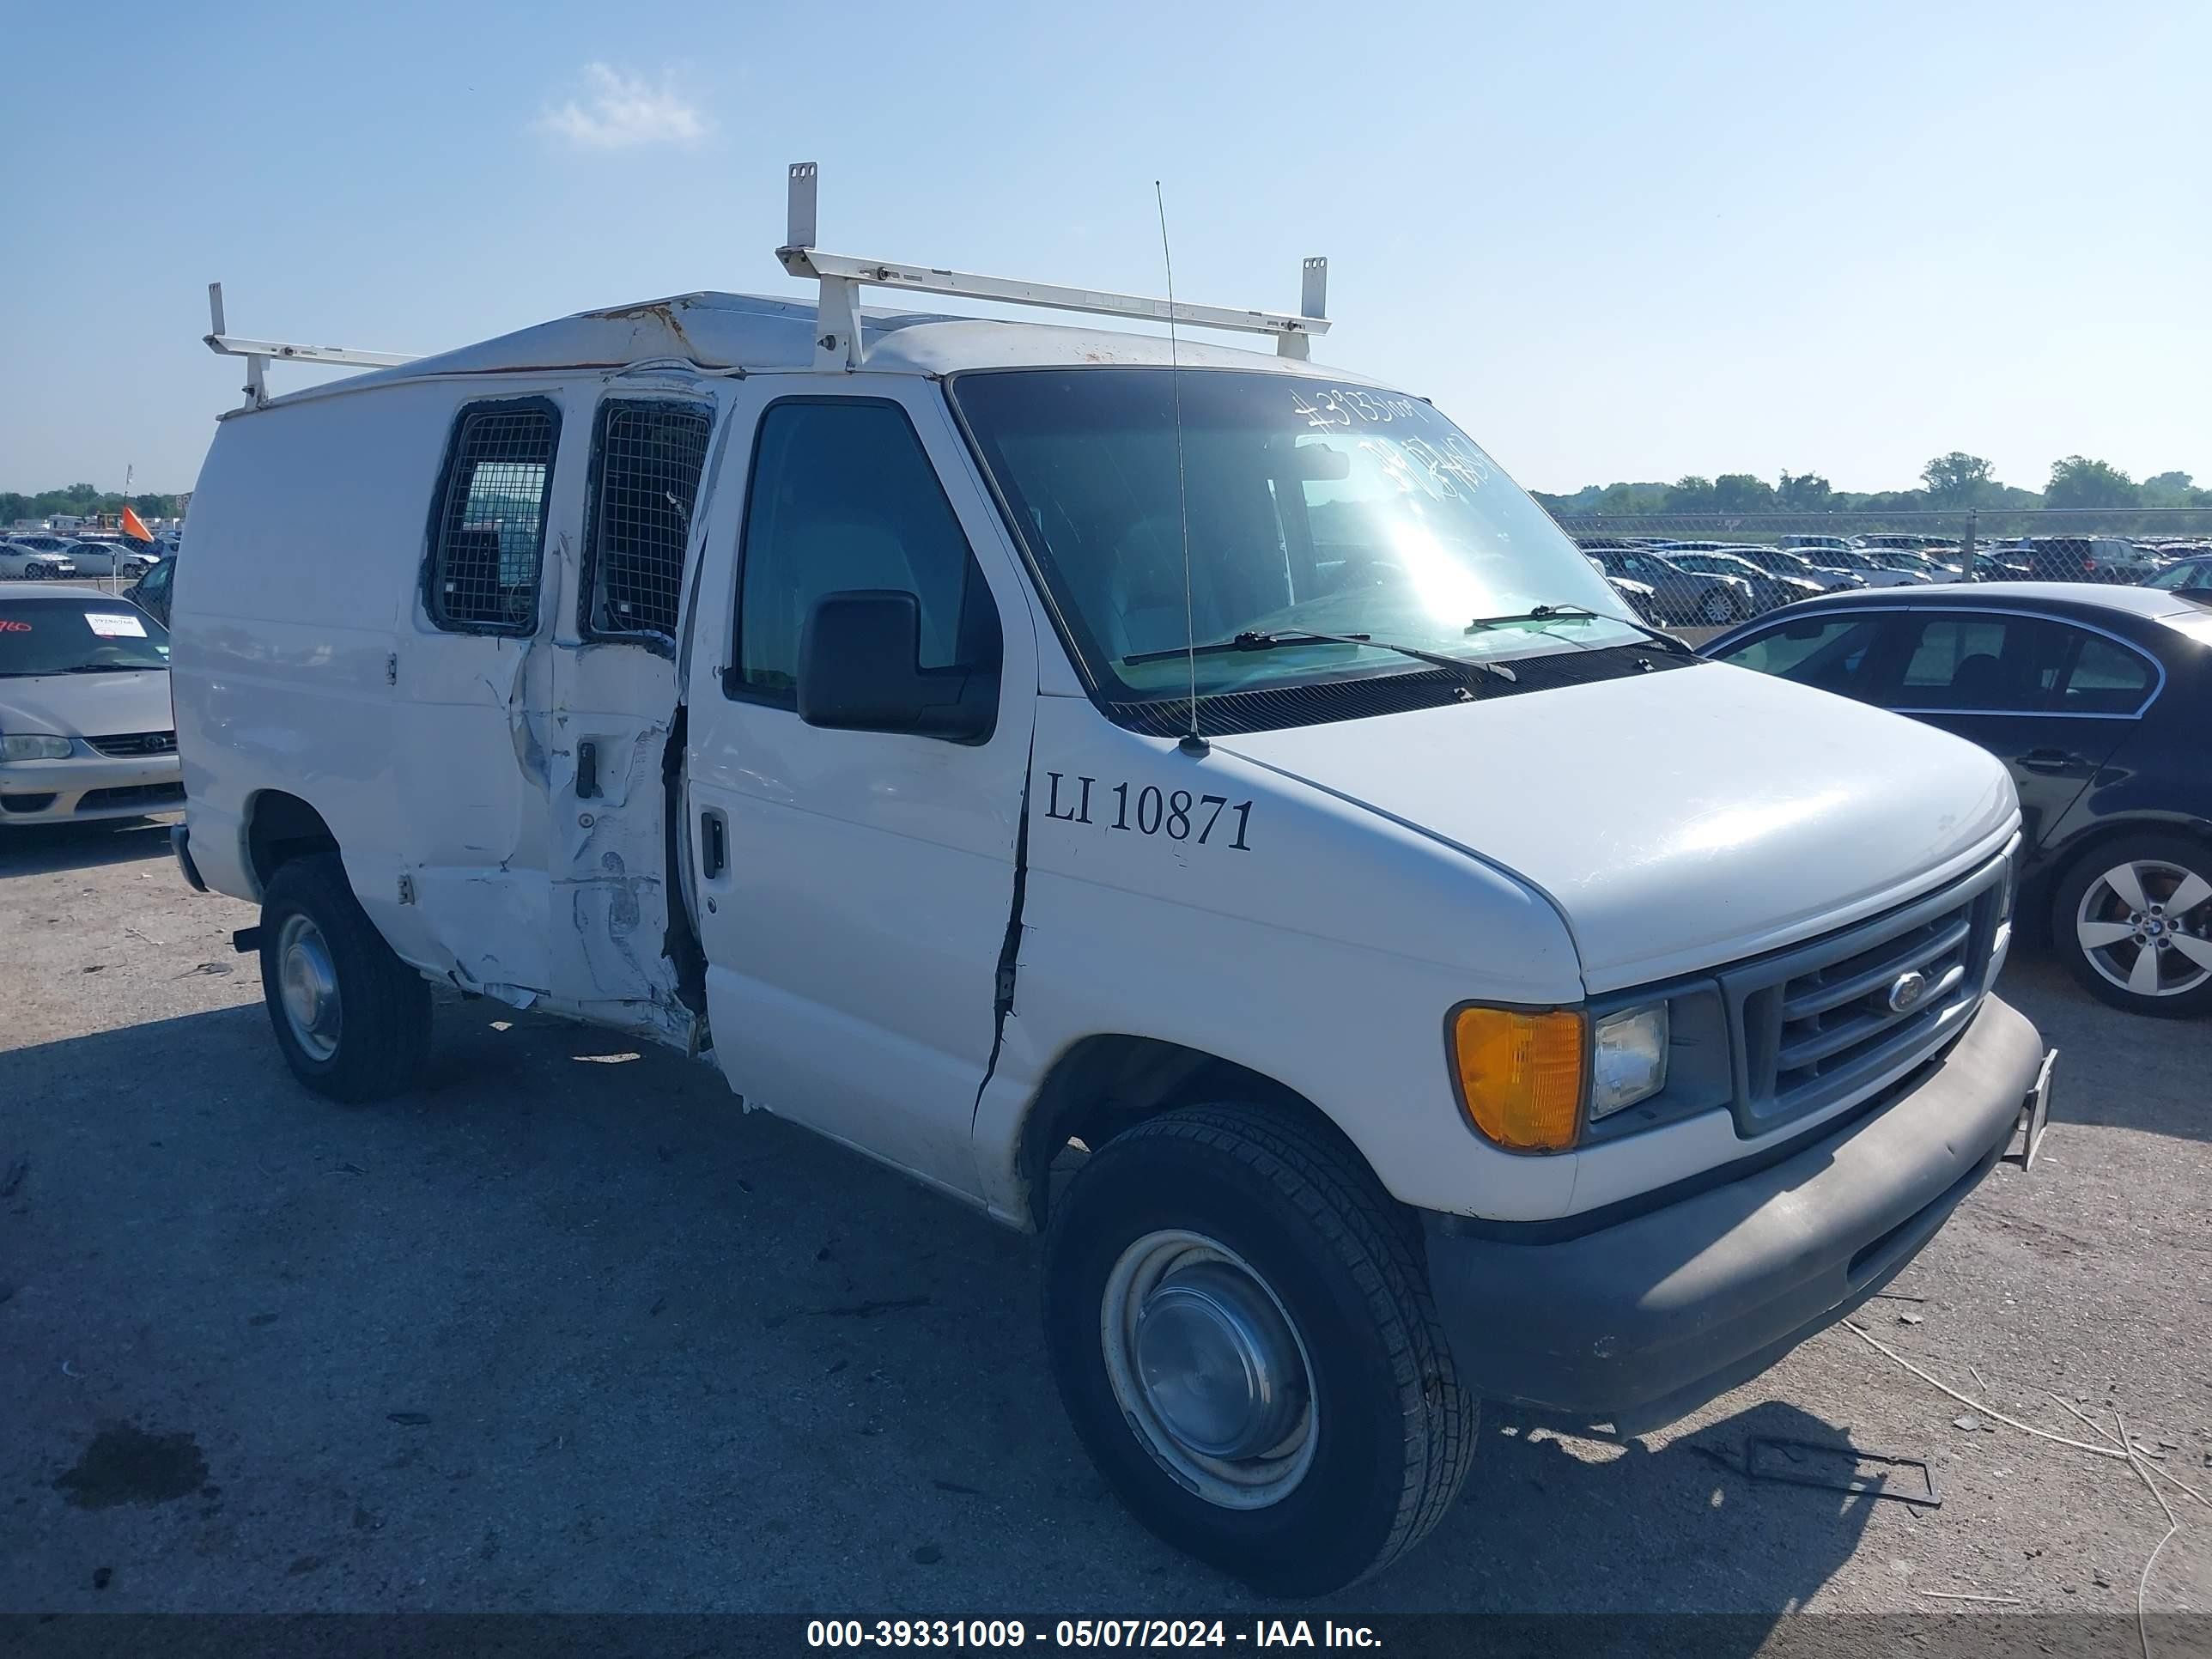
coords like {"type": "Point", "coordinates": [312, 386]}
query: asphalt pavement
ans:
{"type": "Point", "coordinates": [567, 1330]}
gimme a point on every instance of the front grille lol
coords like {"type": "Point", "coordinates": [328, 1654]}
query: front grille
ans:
{"type": "Point", "coordinates": [131, 745]}
{"type": "Point", "coordinates": [1815, 1025]}
{"type": "Point", "coordinates": [135, 794]}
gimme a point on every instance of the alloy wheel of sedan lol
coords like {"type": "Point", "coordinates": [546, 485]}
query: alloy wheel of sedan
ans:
{"type": "Point", "coordinates": [2146, 926]}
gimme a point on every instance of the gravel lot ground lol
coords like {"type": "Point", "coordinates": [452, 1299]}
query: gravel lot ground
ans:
{"type": "Point", "coordinates": [567, 1331]}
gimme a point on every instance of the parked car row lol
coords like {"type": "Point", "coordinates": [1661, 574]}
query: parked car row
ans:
{"type": "Point", "coordinates": [1714, 583]}
{"type": "Point", "coordinates": [41, 555]}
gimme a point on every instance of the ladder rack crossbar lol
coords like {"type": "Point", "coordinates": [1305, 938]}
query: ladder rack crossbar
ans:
{"type": "Point", "coordinates": [838, 343]}
{"type": "Point", "coordinates": [919, 279]}
{"type": "Point", "coordinates": [230, 346]}
{"type": "Point", "coordinates": [258, 354]}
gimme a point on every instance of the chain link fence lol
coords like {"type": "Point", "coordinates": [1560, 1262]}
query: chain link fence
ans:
{"type": "Point", "coordinates": [1706, 571]}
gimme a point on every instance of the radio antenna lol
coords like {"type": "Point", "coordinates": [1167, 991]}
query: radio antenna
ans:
{"type": "Point", "coordinates": [1192, 742]}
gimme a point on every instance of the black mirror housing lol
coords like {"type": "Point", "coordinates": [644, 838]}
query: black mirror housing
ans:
{"type": "Point", "coordinates": [860, 671]}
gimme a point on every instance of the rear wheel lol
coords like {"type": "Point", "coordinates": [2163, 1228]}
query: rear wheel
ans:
{"type": "Point", "coordinates": [1240, 1327]}
{"type": "Point", "coordinates": [1717, 607]}
{"type": "Point", "coordinates": [2134, 919]}
{"type": "Point", "coordinates": [352, 1020]}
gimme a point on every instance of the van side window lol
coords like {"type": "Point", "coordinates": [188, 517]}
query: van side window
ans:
{"type": "Point", "coordinates": [488, 537]}
{"type": "Point", "coordinates": [843, 497]}
{"type": "Point", "coordinates": [646, 461]}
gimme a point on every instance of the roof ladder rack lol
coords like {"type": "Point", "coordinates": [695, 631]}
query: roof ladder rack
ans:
{"type": "Point", "coordinates": [257, 352]}
{"type": "Point", "coordinates": [837, 344]}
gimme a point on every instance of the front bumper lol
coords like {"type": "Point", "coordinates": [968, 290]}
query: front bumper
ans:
{"type": "Point", "coordinates": [85, 787]}
{"type": "Point", "coordinates": [1644, 1320]}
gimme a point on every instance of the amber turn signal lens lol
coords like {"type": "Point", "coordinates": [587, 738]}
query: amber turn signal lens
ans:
{"type": "Point", "coordinates": [1521, 1076]}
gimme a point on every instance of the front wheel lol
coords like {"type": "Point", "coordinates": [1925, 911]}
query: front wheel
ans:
{"type": "Point", "coordinates": [352, 1020]}
{"type": "Point", "coordinates": [1240, 1323]}
{"type": "Point", "coordinates": [2134, 919]}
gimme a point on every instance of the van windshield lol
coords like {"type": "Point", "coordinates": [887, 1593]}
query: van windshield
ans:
{"type": "Point", "coordinates": [1313, 508]}
{"type": "Point", "coordinates": [82, 635]}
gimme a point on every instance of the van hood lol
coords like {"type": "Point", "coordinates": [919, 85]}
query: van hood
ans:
{"type": "Point", "coordinates": [88, 705]}
{"type": "Point", "coordinates": [1678, 820]}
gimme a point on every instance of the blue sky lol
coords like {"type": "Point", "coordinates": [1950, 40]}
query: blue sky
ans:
{"type": "Point", "coordinates": [1611, 241]}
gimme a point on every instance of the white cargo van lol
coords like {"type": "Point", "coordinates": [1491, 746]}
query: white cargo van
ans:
{"type": "Point", "coordinates": [1440, 985]}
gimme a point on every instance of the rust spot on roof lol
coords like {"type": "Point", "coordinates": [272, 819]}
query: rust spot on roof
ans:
{"type": "Point", "coordinates": [662, 311]}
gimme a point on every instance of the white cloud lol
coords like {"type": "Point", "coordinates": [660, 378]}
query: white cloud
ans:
{"type": "Point", "coordinates": [622, 111]}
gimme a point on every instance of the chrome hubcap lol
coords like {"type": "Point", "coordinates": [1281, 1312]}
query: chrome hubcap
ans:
{"type": "Point", "coordinates": [307, 985]}
{"type": "Point", "coordinates": [2147, 928]}
{"type": "Point", "coordinates": [1208, 1369]}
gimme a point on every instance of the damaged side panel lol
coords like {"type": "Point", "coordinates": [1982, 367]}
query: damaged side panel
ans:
{"type": "Point", "coordinates": [612, 891]}
{"type": "Point", "coordinates": [540, 870]}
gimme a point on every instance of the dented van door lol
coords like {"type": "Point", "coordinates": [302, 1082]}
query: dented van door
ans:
{"type": "Point", "coordinates": [857, 889]}
{"type": "Point", "coordinates": [615, 911]}
{"type": "Point", "coordinates": [468, 680]}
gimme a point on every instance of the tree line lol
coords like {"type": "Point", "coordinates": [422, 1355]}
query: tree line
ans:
{"type": "Point", "coordinates": [1950, 482]}
{"type": "Point", "coordinates": [81, 501]}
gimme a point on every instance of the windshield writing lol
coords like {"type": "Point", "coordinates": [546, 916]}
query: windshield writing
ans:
{"type": "Point", "coordinates": [65, 637]}
{"type": "Point", "coordinates": [1309, 507]}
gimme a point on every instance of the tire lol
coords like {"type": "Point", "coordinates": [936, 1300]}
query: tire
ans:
{"type": "Point", "coordinates": [364, 1031]}
{"type": "Point", "coordinates": [2115, 919]}
{"type": "Point", "coordinates": [1389, 1430]}
{"type": "Point", "coordinates": [1717, 608]}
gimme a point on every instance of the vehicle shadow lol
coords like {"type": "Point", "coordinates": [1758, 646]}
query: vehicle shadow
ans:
{"type": "Point", "coordinates": [2117, 1070]}
{"type": "Point", "coordinates": [565, 1331]}
{"type": "Point", "coordinates": [38, 849]}
{"type": "Point", "coordinates": [1677, 1542]}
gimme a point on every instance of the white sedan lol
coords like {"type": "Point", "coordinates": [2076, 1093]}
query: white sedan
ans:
{"type": "Point", "coordinates": [85, 730]}
{"type": "Point", "coordinates": [1867, 566]}
{"type": "Point", "coordinates": [34, 564]}
{"type": "Point", "coordinates": [110, 559]}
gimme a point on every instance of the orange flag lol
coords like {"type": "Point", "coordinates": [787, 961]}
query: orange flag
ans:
{"type": "Point", "coordinates": [135, 526]}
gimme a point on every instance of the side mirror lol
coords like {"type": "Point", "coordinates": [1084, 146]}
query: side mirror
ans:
{"type": "Point", "coordinates": [860, 670]}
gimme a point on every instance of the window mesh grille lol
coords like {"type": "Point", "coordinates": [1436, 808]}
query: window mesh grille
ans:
{"type": "Point", "coordinates": [650, 457]}
{"type": "Point", "coordinates": [491, 529]}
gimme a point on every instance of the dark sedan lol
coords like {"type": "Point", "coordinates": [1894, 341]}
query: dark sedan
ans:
{"type": "Point", "coordinates": [152, 591]}
{"type": "Point", "coordinates": [2191, 575]}
{"type": "Point", "coordinates": [2099, 699]}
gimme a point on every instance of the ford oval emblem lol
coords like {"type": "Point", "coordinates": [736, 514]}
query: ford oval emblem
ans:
{"type": "Point", "coordinates": [1905, 992]}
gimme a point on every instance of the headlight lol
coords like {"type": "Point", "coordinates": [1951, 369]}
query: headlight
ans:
{"type": "Point", "coordinates": [1519, 1076]}
{"type": "Point", "coordinates": [32, 745]}
{"type": "Point", "coordinates": [1628, 1059]}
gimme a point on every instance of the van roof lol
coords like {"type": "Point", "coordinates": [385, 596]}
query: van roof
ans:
{"type": "Point", "coordinates": [757, 331]}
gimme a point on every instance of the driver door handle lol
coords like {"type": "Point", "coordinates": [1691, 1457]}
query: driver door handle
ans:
{"type": "Point", "coordinates": [713, 844]}
{"type": "Point", "coordinates": [2048, 760]}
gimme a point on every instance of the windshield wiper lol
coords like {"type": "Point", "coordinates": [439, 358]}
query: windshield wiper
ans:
{"type": "Point", "coordinates": [1549, 613]}
{"type": "Point", "coordinates": [1253, 640]}
{"type": "Point", "coordinates": [113, 667]}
